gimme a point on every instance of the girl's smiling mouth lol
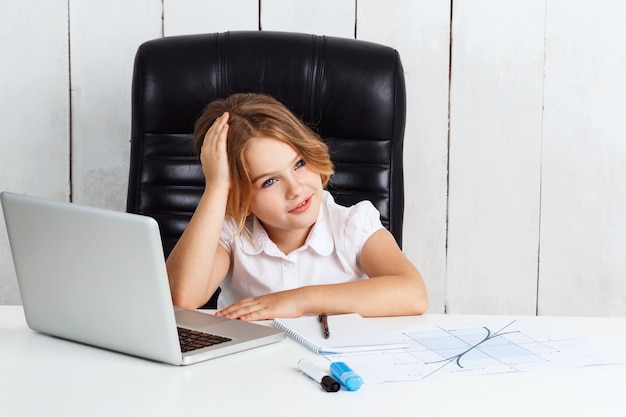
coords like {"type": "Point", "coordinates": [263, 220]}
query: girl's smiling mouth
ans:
{"type": "Point", "coordinates": [301, 207]}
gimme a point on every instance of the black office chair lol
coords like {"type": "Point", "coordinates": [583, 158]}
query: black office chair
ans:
{"type": "Point", "coordinates": [351, 92]}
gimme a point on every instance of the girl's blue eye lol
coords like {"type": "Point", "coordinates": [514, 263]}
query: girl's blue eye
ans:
{"type": "Point", "coordinates": [300, 163]}
{"type": "Point", "coordinates": [269, 182]}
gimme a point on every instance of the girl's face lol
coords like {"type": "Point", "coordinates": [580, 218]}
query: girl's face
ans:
{"type": "Point", "coordinates": [286, 194]}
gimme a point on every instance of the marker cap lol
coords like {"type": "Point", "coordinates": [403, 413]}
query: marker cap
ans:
{"type": "Point", "coordinates": [329, 384]}
{"type": "Point", "coordinates": [342, 373]}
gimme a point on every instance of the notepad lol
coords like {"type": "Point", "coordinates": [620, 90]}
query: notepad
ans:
{"type": "Point", "coordinates": [348, 333]}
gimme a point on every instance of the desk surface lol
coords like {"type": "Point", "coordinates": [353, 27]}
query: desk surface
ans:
{"type": "Point", "coordinates": [42, 375]}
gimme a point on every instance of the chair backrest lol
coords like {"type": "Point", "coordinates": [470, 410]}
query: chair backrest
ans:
{"type": "Point", "coordinates": [352, 92]}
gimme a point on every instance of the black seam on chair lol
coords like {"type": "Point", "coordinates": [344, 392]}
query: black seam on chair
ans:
{"type": "Point", "coordinates": [385, 166]}
{"type": "Point", "coordinates": [392, 197]}
{"type": "Point", "coordinates": [184, 213]}
{"type": "Point", "coordinates": [391, 155]}
{"type": "Point", "coordinates": [310, 78]}
{"type": "Point", "coordinates": [321, 75]}
{"type": "Point", "coordinates": [343, 191]}
{"type": "Point", "coordinates": [160, 157]}
{"type": "Point", "coordinates": [319, 46]}
{"type": "Point", "coordinates": [221, 69]}
{"type": "Point", "coordinates": [162, 185]}
{"type": "Point", "coordinates": [136, 133]}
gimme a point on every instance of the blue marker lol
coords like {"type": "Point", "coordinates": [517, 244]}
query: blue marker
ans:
{"type": "Point", "coordinates": [342, 373]}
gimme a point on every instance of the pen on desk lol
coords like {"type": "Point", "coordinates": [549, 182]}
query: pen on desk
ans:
{"type": "Point", "coordinates": [328, 383]}
{"type": "Point", "coordinates": [324, 320]}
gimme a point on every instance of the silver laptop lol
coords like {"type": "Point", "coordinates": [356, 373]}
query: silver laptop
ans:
{"type": "Point", "coordinates": [98, 277]}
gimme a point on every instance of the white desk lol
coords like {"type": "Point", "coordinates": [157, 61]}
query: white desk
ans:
{"type": "Point", "coordinates": [45, 376]}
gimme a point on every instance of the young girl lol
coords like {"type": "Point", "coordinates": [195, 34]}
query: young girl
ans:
{"type": "Point", "coordinates": [267, 232]}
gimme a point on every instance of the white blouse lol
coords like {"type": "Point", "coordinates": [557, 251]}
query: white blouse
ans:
{"type": "Point", "coordinates": [330, 254]}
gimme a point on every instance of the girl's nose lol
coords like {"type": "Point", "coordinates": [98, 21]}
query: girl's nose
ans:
{"type": "Point", "coordinates": [294, 188]}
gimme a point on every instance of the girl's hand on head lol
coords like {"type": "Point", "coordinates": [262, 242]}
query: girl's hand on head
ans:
{"type": "Point", "coordinates": [265, 307]}
{"type": "Point", "coordinates": [213, 155]}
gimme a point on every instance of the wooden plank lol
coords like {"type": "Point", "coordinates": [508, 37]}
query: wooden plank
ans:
{"type": "Point", "coordinates": [495, 156]}
{"type": "Point", "coordinates": [583, 217]}
{"type": "Point", "coordinates": [421, 34]}
{"type": "Point", "coordinates": [320, 17]}
{"type": "Point", "coordinates": [184, 17]}
{"type": "Point", "coordinates": [35, 111]}
{"type": "Point", "coordinates": [104, 37]}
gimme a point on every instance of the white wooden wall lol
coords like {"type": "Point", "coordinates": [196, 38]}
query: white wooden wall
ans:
{"type": "Point", "coordinates": [515, 151]}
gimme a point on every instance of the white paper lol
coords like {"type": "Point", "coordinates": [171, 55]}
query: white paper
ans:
{"type": "Point", "coordinates": [441, 352]}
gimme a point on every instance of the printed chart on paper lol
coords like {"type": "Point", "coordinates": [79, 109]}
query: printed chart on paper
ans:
{"type": "Point", "coordinates": [438, 352]}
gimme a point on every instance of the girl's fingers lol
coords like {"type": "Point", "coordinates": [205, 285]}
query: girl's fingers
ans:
{"type": "Point", "coordinates": [215, 132]}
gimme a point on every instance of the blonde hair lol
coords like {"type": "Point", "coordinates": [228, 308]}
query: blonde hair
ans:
{"type": "Point", "coordinates": [255, 116]}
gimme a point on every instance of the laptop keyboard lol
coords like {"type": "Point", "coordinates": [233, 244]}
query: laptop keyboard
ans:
{"type": "Point", "coordinates": [193, 339]}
